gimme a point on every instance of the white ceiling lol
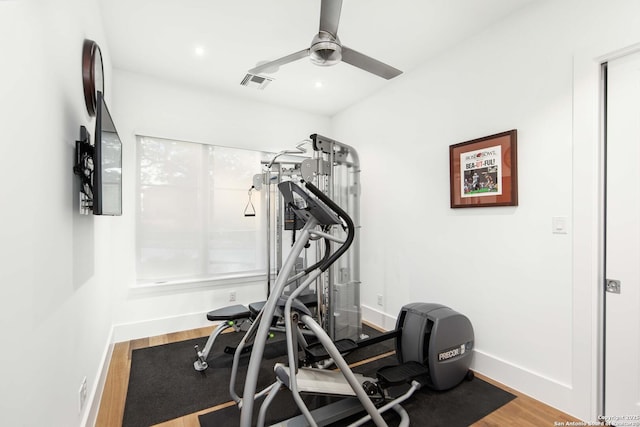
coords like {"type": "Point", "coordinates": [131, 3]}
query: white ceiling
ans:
{"type": "Point", "coordinates": [159, 38]}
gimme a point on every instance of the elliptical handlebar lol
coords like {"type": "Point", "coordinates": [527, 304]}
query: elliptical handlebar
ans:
{"type": "Point", "coordinates": [324, 210]}
{"type": "Point", "coordinates": [316, 210]}
{"type": "Point", "coordinates": [342, 214]}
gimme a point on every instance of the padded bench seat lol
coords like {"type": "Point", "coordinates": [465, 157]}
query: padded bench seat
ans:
{"type": "Point", "coordinates": [232, 312]}
{"type": "Point", "coordinates": [308, 300]}
{"type": "Point", "coordinates": [239, 311]}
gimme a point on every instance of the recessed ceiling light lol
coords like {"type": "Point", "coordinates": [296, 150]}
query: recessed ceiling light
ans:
{"type": "Point", "coordinates": [318, 84]}
{"type": "Point", "coordinates": [199, 50]}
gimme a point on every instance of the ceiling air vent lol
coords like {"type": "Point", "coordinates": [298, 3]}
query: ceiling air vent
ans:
{"type": "Point", "coordinates": [252, 80]}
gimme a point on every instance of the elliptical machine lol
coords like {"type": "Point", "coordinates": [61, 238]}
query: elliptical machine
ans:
{"type": "Point", "coordinates": [433, 342]}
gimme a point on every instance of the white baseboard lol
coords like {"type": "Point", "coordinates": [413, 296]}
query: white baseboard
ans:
{"type": "Point", "coordinates": [544, 389]}
{"type": "Point", "coordinates": [547, 390]}
{"type": "Point", "coordinates": [95, 396]}
{"type": "Point", "coordinates": [130, 331]}
{"type": "Point", "coordinates": [148, 328]}
{"type": "Point", "coordinates": [160, 326]}
{"type": "Point", "coordinates": [378, 318]}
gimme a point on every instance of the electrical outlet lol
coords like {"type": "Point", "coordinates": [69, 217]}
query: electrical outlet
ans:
{"type": "Point", "coordinates": [380, 299]}
{"type": "Point", "coordinates": [232, 296]}
{"type": "Point", "coordinates": [82, 394]}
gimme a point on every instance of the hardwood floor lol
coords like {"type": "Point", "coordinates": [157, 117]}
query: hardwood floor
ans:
{"type": "Point", "coordinates": [523, 411]}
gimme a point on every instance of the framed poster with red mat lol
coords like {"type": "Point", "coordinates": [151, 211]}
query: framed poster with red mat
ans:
{"type": "Point", "coordinates": [484, 171]}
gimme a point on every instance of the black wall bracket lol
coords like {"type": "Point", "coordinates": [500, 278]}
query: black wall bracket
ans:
{"type": "Point", "coordinates": [84, 168]}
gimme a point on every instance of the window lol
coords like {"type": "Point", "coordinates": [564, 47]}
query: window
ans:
{"type": "Point", "coordinates": [190, 224]}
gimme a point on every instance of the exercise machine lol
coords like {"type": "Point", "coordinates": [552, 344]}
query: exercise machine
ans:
{"type": "Point", "coordinates": [433, 342]}
{"type": "Point", "coordinates": [335, 168]}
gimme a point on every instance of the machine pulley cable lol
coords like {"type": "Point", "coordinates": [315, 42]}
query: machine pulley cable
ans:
{"type": "Point", "coordinates": [250, 210]}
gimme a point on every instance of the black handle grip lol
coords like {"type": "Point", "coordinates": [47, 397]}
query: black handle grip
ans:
{"type": "Point", "coordinates": [351, 229]}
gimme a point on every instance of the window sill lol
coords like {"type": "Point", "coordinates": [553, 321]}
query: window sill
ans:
{"type": "Point", "coordinates": [197, 283]}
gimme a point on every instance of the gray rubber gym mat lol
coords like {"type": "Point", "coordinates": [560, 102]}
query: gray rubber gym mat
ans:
{"type": "Point", "coordinates": [459, 407]}
{"type": "Point", "coordinates": [164, 385]}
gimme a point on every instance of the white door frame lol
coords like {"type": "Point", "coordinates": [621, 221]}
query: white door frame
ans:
{"type": "Point", "coordinates": [632, 50]}
{"type": "Point", "coordinates": [587, 397]}
{"type": "Point", "coordinates": [588, 226]}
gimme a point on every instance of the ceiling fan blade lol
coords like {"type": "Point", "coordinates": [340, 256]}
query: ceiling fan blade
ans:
{"type": "Point", "coordinates": [369, 64]}
{"type": "Point", "coordinates": [330, 16]}
{"type": "Point", "coordinates": [273, 66]}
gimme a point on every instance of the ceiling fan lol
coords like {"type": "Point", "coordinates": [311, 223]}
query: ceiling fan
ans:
{"type": "Point", "coordinates": [326, 48]}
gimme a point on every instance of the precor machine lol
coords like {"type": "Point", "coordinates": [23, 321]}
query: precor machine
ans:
{"type": "Point", "coordinates": [433, 342]}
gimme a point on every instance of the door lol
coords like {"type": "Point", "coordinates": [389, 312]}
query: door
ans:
{"type": "Point", "coordinates": [622, 242]}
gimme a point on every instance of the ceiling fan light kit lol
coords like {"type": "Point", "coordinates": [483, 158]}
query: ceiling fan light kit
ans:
{"type": "Point", "coordinates": [327, 50]}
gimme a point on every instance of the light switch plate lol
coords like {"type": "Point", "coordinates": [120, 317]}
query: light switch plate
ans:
{"type": "Point", "coordinates": [559, 225]}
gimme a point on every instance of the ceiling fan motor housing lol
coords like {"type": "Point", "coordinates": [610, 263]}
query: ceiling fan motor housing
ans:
{"type": "Point", "coordinates": [325, 49]}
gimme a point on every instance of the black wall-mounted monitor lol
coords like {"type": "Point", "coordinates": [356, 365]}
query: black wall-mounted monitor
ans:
{"type": "Point", "coordinates": [107, 177]}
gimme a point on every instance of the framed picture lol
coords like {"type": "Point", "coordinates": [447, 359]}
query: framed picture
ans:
{"type": "Point", "coordinates": [484, 171]}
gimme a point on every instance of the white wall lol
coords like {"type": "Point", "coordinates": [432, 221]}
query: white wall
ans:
{"type": "Point", "coordinates": [530, 294]}
{"type": "Point", "coordinates": [56, 265]}
{"type": "Point", "coordinates": [67, 278]}
{"type": "Point", "coordinates": [146, 106]}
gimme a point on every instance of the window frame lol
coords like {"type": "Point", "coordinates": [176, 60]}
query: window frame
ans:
{"type": "Point", "coordinates": [207, 192]}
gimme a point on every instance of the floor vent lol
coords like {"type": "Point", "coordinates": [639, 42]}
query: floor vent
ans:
{"type": "Point", "coordinates": [259, 82]}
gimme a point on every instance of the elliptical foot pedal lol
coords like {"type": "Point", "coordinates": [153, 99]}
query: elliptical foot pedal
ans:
{"type": "Point", "coordinates": [316, 351]}
{"type": "Point", "coordinates": [400, 374]}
